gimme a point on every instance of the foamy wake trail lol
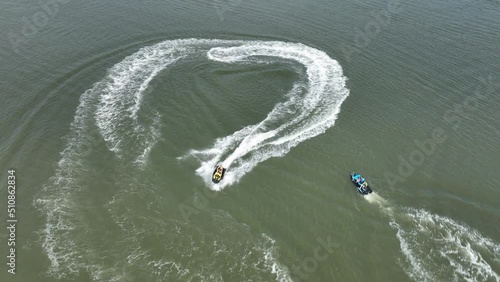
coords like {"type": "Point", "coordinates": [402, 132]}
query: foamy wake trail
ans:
{"type": "Point", "coordinates": [311, 108]}
{"type": "Point", "coordinates": [110, 115]}
{"type": "Point", "coordinates": [374, 197]}
{"type": "Point", "coordinates": [437, 248]}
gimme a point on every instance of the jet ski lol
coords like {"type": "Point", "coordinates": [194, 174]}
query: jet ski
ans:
{"type": "Point", "coordinates": [218, 174]}
{"type": "Point", "coordinates": [360, 183]}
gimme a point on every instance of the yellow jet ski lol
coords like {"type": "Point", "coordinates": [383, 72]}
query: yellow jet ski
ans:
{"type": "Point", "coordinates": [218, 174]}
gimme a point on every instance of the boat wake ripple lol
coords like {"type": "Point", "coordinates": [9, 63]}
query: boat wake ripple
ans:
{"type": "Point", "coordinates": [110, 119]}
{"type": "Point", "coordinates": [428, 241]}
{"type": "Point", "coordinates": [311, 108]}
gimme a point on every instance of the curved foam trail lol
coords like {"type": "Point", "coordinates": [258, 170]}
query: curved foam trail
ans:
{"type": "Point", "coordinates": [113, 106]}
{"type": "Point", "coordinates": [122, 96]}
{"type": "Point", "coordinates": [428, 240]}
{"type": "Point", "coordinates": [311, 108]}
{"type": "Point", "coordinates": [122, 91]}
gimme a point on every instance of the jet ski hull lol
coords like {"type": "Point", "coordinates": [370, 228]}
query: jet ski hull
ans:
{"type": "Point", "coordinates": [362, 190]}
{"type": "Point", "coordinates": [216, 176]}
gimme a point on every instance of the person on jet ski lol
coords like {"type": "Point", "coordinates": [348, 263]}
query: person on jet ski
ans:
{"type": "Point", "coordinates": [356, 177]}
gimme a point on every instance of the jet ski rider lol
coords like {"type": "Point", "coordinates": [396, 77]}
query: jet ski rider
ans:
{"type": "Point", "coordinates": [359, 179]}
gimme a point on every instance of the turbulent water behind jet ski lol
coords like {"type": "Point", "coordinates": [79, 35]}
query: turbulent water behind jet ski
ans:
{"type": "Point", "coordinates": [311, 108]}
{"type": "Point", "coordinates": [110, 113]}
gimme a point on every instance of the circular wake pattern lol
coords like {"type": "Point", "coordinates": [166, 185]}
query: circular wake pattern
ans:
{"type": "Point", "coordinates": [110, 124]}
{"type": "Point", "coordinates": [311, 108]}
{"type": "Point", "coordinates": [428, 240]}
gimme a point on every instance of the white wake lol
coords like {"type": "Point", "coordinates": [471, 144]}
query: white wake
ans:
{"type": "Point", "coordinates": [438, 248]}
{"type": "Point", "coordinates": [428, 241]}
{"type": "Point", "coordinates": [110, 114]}
{"type": "Point", "coordinates": [310, 109]}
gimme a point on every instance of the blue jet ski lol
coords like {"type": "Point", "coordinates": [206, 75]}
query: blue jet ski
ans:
{"type": "Point", "coordinates": [361, 183]}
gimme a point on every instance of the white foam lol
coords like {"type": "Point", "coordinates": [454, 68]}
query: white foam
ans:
{"type": "Point", "coordinates": [427, 240]}
{"type": "Point", "coordinates": [150, 139]}
{"type": "Point", "coordinates": [121, 99]}
{"type": "Point", "coordinates": [113, 107]}
{"type": "Point", "coordinates": [270, 256]}
{"type": "Point", "coordinates": [311, 108]}
{"type": "Point", "coordinates": [374, 197]}
{"type": "Point", "coordinates": [307, 112]}
{"type": "Point", "coordinates": [57, 199]}
{"type": "Point", "coordinates": [195, 253]}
